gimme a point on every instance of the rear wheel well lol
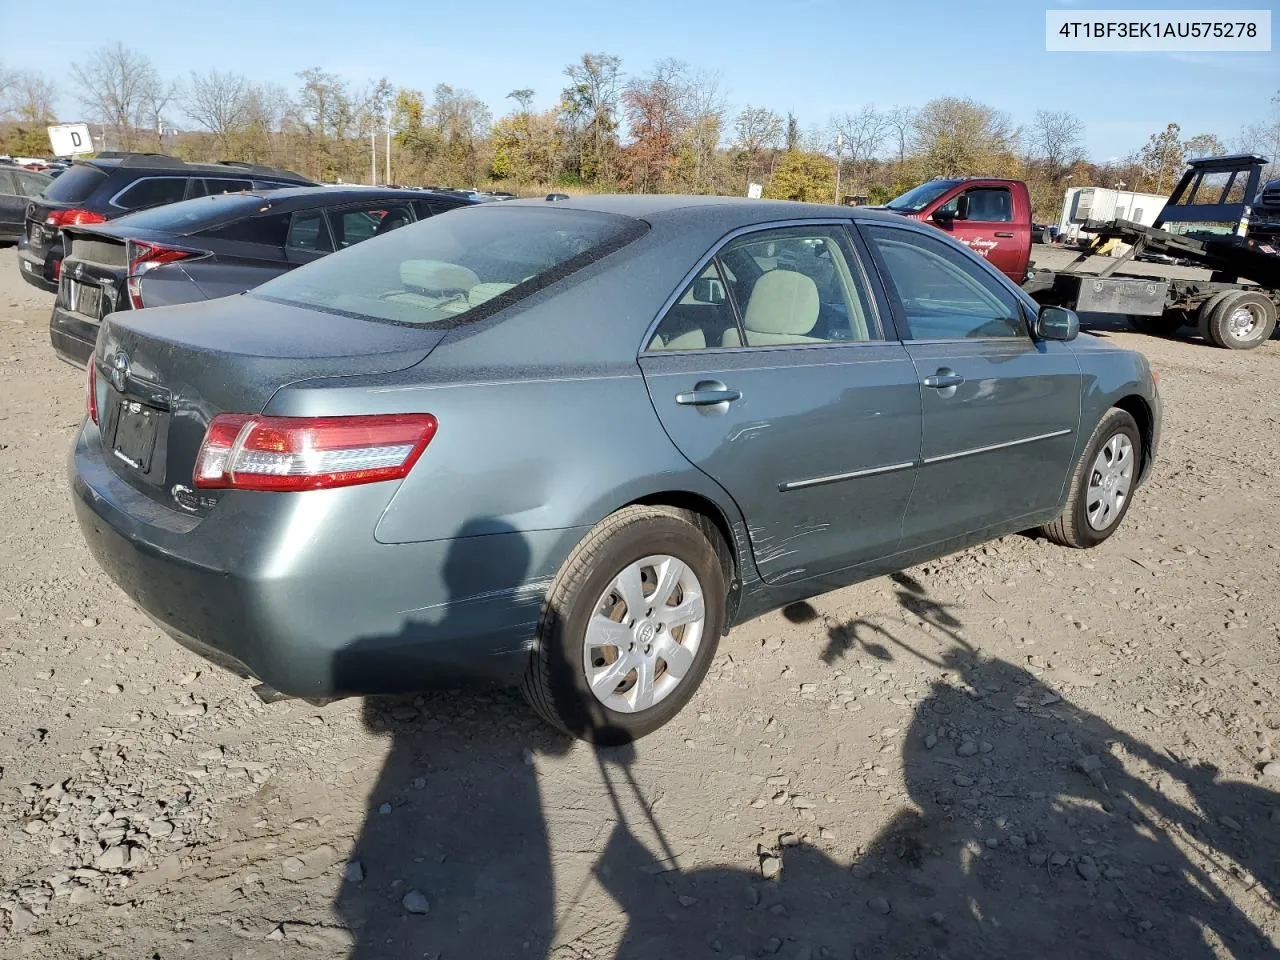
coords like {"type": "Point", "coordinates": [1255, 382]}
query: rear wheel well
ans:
{"type": "Point", "coordinates": [1137, 408]}
{"type": "Point", "coordinates": [715, 525]}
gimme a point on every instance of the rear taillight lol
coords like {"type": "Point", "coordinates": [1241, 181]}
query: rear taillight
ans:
{"type": "Point", "coordinates": [144, 257]}
{"type": "Point", "coordinates": [247, 452]}
{"type": "Point", "coordinates": [72, 218]}
{"type": "Point", "coordinates": [92, 399]}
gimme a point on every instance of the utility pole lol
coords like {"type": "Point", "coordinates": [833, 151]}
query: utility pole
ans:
{"type": "Point", "coordinates": [839, 151]}
{"type": "Point", "coordinates": [387, 179]}
{"type": "Point", "coordinates": [373, 159]}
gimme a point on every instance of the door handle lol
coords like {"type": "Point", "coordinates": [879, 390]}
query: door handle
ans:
{"type": "Point", "coordinates": [943, 378]}
{"type": "Point", "coordinates": [707, 393]}
{"type": "Point", "coordinates": [1001, 233]}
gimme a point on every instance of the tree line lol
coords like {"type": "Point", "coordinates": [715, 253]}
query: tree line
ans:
{"type": "Point", "coordinates": [666, 129]}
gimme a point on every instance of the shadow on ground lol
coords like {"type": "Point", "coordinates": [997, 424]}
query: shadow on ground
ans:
{"type": "Point", "coordinates": [1030, 828]}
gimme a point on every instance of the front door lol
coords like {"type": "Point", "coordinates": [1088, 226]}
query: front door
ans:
{"type": "Point", "coordinates": [1000, 411]}
{"type": "Point", "coordinates": [771, 373]}
{"type": "Point", "coordinates": [985, 223]}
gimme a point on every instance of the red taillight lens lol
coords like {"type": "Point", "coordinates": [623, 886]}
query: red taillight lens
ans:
{"type": "Point", "coordinates": [73, 218]}
{"type": "Point", "coordinates": [57, 269]}
{"type": "Point", "coordinates": [144, 257]}
{"type": "Point", "coordinates": [247, 452]}
{"type": "Point", "coordinates": [93, 391]}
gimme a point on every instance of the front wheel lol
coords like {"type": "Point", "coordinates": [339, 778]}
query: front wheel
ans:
{"type": "Point", "coordinates": [1102, 484]}
{"type": "Point", "coordinates": [629, 626]}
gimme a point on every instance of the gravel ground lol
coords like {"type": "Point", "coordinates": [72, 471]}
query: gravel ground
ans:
{"type": "Point", "coordinates": [1017, 751]}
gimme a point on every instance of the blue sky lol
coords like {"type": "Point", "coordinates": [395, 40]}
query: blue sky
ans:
{"type": "Point", "coordinates": [813, 57]}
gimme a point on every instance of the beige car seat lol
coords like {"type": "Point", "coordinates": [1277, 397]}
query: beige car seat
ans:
{"type": "Point", "coordinates": [782, 308]}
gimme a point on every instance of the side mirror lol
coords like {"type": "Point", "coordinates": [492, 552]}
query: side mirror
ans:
{"type": "Point", "coordinates": [943, 217]}
{"type": "Point", "coordinates": [962, 207]}
{"type": "Point", "coordinates": [1057, 323]}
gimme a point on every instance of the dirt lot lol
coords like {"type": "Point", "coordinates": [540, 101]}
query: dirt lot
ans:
{"type": "Point", "coordinates": [1019, 751]}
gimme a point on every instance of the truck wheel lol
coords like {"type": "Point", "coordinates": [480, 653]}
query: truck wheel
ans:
{"type": "Point", "coordinates": [1164, 326]}
{"type": "Point", "coordinates": [1243, 320]}
{"type": "Point", "coordinates": [1102, 484]}
{"type": "Point", "coordinates": [1205, 314]}
{"type": "Point", "coordinates": [629, 626]}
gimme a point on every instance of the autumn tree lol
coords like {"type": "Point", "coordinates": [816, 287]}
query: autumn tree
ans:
{"type": "Point", "coordinates": [956, 136]}
{"type": "Point", "coordinates": [808, 177]}
{"type": "Point", "coordinates": [656, 106]}
{"type": "Point", "coordinates": [1162, 159]}
{"type": "Point", "coordinates": [1202, 145]}
{"type": "Point", "coordinates": [758, 131]}
{"type": "Point", "coordinates": [589, 113]}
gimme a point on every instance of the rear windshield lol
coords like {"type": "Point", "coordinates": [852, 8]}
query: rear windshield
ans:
{"type": "Point", "coordinates": [465, 265]}
{"type": "Point", "coordinates": [189, 216]}
{"type": "Point", "coordinates": [76, 183]}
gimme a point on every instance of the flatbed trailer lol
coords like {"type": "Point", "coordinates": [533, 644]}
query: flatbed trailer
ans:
{"type": "Point", "coordinates": [1235, 308]}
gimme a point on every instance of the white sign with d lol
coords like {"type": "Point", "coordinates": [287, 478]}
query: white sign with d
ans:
{"type": "Point", "coordinates": [70, 139]}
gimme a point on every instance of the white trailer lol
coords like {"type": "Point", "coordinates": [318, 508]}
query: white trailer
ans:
{"type": "Point", "coordinates": [1081, 204]}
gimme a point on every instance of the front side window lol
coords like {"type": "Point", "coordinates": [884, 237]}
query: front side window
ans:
{"type": "Point", "coordinates": [7, 185]}
{"type": "Point", "coordinates": [943, 294]}
{"type": "Point", "coordinates": [351, 225]}
{"type": "Point", "coordinates": [30, 185]}
{"type": "Point", "coordinates": [151, 192]}
{"type": "Point", "coordinates": [214, 187]}
{"type": "Point", "coordinates": [310, 233]}
{"type": "Point", "coordinates": [984, 204]}
{"type": "Point", "coordinates": [449, 268]}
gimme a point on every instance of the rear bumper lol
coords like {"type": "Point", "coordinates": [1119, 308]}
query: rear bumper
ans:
{"type": "Point", "coordinates": [73, 336]}
{"type": "Point", "coordinates": [294, 590]}
{"type": "Point", "coordinates": [37, 271]}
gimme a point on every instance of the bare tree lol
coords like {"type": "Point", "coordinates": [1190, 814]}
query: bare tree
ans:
{"type": "Point", "coordinates": [902, 123]}
{"type": "Point", "coordinates": [31, 98]}
{"type": "Point", "coordinates": [1057, 139]}
{"type": "Point", "coordinates": [120, 88]}
{"type": "Point", "coordinates": [589, 106]}
{"type": "Point", "coordinates": [758, 130]}
{"type": "Point", "coordinates": [8, 79]}
{"type": "Point", "coordinates": [864, 132]}
{"type": "Point", "coordinates": [218, 102]}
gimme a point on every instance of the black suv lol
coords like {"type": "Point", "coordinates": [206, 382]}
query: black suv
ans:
{"type": "Point", "coordinates": [113, 184]}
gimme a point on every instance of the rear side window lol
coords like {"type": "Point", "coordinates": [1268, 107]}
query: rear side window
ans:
{"type": "Point", "coordinates": [7, 185]}
{"type": "Point", "coordinates": [309, 232]}
{"type": "Point", "coordinates": [214, 187]}
{"type": "Point", "coordinates": [30, 185]}
{"type": "Point", "coordinates": [271, 230]}
{"type": "Point", "coordinates": [429, 208]}
{"type": "Point", "coordinates": [151, 192]}
{"type": "Point", "coordinates": [76, 183]}
{"type": "Point", "coordinates": [351, 225]}
{"type": "Point", "coordinates": [449, 268]}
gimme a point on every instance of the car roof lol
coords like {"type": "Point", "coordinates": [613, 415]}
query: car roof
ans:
{"type": "Point", "coordinates": [728, 212]}
{"type": "Point", "coordinates": [148, 163]}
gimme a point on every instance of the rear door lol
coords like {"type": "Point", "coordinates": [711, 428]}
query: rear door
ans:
{"type": "Point", "coordinates": [357, 222]}
{"type": "Point", "coordinates": [246, 253]}
{"type": "Point", "coordinates": [308, 237]}
{"type": "Point", "coordinates": [772, 373]}
{"type": "Point", "coordinates": [1000, 411]}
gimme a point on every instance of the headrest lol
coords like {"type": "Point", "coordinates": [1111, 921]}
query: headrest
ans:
{"type": "Point", "coordinates": [782, 301]}
{"type": "Point", "coordinates": [435, 275]}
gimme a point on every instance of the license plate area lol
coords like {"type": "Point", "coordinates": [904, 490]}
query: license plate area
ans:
{"type": "Point", "coordinates": [82, 298]}
{"type": "Point", "coordinates": [134, 430]}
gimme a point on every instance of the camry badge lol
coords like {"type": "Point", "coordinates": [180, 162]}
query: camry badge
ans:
{"type": "Point", "coordinates": [119, 372]}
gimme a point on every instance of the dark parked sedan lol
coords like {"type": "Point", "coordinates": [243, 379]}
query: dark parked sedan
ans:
{"type": "Point", "coordinates": [214, 247]}
{"type": "Point", "coordinates": [572, 444]}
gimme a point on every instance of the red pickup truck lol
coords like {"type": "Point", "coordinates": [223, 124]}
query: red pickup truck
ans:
{"type": "Point", "coordinates": [989, 215]}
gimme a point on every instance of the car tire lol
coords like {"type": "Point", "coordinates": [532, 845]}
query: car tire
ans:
{"type": "Point", "coordinates": [1091, 513]}
{"type": "Point", "coordinates": [636, 542]}
{"type": "Point", "coordinates": [1242, 320]}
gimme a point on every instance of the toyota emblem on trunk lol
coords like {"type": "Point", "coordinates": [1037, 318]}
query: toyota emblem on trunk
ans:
{"type": "Point", "coordinates": [119, 372]}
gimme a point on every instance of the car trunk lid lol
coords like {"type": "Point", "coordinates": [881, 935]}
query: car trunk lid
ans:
{"type": "Point", "coordinates": [164, 373]}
